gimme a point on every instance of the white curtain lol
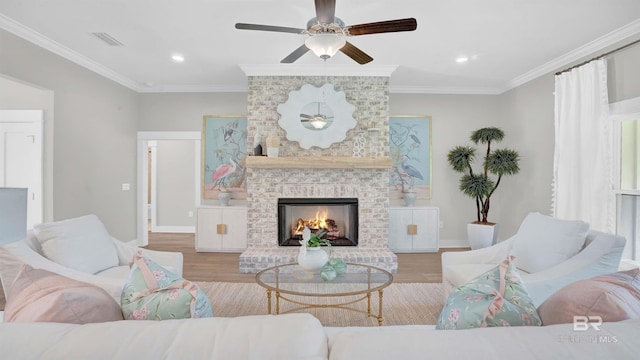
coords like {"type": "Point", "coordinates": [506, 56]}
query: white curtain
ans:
{"type": "Point", "coordinates": [583, 159]}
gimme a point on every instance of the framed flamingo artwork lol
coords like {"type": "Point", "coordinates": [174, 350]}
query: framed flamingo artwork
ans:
{"type": "Point", "coordinates": [224, 150]}
{"type": "Point", "coordinates": [410, 151]}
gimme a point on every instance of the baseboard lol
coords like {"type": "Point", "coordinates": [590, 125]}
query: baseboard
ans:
{"type": "Point", "coordinates": [175, 229]}
{"type": "Point", "coordinates": [453, 244]}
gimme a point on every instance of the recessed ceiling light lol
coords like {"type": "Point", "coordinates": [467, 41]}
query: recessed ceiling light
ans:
{"type": "Point", "coordinates": [462, 59]}
{"type": "Point", "coordinates": [177, 58]}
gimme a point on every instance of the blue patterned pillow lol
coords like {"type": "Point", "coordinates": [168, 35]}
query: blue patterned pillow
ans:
{"type": "Point", "coordinates": [154, 293]}
{"type": "Point", "coordinates": [495, 298]}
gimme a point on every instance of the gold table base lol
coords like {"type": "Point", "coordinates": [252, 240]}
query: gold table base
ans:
{"type": "Point", "coordinates": [343, 305]}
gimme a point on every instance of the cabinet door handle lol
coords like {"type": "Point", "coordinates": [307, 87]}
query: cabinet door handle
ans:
{"type": "Point", "coordinates": [221, 229]}
{"type": "Point", "coordinates": [412, 229]}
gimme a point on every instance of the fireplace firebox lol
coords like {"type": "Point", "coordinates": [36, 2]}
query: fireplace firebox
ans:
{"type": "Point", "coordinates": [337, 217]}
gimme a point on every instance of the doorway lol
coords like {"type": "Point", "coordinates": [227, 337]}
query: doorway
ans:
{"type": "Point", "coordinates": [146, 183]}
{"type": "Point", "coordinates": [21, 160]}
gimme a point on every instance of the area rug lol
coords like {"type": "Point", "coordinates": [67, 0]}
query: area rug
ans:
{"type": "Point", "coordinates": [403, 304]}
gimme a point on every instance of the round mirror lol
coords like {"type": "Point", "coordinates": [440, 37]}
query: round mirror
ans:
{"type": "Point", "coordinates": [316, 116]}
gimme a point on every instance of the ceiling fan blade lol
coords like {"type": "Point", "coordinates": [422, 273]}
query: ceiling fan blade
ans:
{"type": "Point", "coordinates": [306, 116]}
{"type": "Point", "coordinates": [356, 54]}
{"type": "Point", "coordinates": [409, 24]}
{"type": "Point", "coordinates": [295, 55]}
{"type": "Point", "coordinates": [325, 11]}
{"type": "Point", "coordinates": [243, 26]}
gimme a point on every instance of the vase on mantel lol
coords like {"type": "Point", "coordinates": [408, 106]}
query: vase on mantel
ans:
{"type": "Point", "coordinates": [273, 144]}
{"type": "Point", "coordinates": [312, 258]}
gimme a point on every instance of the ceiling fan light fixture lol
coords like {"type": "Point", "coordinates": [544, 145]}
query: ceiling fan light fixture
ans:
{"type": "Point", "coordinates": [318, 122]}
{"type": "Point", "coordinates": [325, 45]}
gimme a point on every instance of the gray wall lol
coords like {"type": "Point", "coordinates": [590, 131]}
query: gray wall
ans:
{"type": "Point", "coordinates": [527, 119]}
{"type": "Point", "coordinates": [184, 111]}
{"type": "Point", "coordinates": [175, 183]}
{"type": "Point", "coordinates": [95, 135]}
{"type": "Point", "coordinates": [454, 117]}
{"type": "Point", "coordinates": [18, 95]}
{"type": "Point", "coordinates": [623, 74]}
{"type": "Point", "coordinates": [96, 122]}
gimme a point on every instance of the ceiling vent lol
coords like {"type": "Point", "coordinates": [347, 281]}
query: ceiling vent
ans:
{"type": "Point", "coordinates": [110, 40]}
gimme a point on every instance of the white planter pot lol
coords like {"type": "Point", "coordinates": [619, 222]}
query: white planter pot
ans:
{"type": "Point", "coordinates": [312, 258]}
{"type": "Point", "coordinates": [409, 198]}
{"type": "Point", "coordinates": [224, 198]}
{"type": "Point", "coordinates": [481, 235]}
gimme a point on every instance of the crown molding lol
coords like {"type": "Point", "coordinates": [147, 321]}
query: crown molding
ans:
{"type": "Point", "coordinates": [317, 70]}
{"type": "Point", "coordinates": [620, 34]}
{"type": "Point", "coordinates": [35, 37]}
{"type": "Point", "coordinates": [193, 89]}
{"type": "Point", "coordinates": [444, 90]}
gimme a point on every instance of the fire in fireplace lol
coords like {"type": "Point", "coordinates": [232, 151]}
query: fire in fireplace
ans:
{"type": "Point", "coordinates": [337, 217]}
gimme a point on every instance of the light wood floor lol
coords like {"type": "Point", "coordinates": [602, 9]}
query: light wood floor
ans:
{"type": "Point", "coordinates": [199, 266]}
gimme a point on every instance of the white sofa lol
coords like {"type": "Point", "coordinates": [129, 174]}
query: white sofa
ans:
{"type": "Point", "coordinates": [301, 336]}
{"type": "Point", "coordinates": [29, 251]}
{"type": "Point", "coordinates": [597, 254]}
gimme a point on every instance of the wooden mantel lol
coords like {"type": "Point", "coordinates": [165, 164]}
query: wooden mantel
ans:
{"type": "Point", "coordinates": [318, 162]}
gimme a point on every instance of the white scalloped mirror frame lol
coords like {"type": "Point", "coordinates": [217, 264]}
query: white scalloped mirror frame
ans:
{"type": "Point", "coordinates": [336, 100]}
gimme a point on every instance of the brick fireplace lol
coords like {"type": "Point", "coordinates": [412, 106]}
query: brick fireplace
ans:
{"type": "Point", "coordinates": [323, 174]}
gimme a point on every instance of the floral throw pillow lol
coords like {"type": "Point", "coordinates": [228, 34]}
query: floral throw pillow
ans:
{"type": "Point", "coordinates": [495, 298]}
{"type": "Point", "coordinates": [154, 293]}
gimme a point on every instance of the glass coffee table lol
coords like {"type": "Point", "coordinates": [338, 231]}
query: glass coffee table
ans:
{"type": "Point", "coordinates": [345, 290]}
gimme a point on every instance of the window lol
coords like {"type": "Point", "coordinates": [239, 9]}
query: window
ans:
{"type": "Point", "coordinates": [626, 119]}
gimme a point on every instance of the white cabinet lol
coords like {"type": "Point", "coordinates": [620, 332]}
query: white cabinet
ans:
{"type": "Point", "coordinates": [414, 229]}
{"type": "Point", "coordinates": [221, 228]}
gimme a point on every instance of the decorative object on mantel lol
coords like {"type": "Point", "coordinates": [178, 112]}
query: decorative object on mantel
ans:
{"type": "Point", "coordinates": [273, 144]}
{"type": "Point", "coordinates": [293, 118]}
{"type": "Point", "coordinates": [224, 153]}
{"type": "Point", "coordinates": [326, 33]}
{"type": "Point", "coordinates": [311, 256]}
{"type": "Point", "coordinates": [257, 147]}
{"type": "Point", "coordinates": [359, 145]}
{"type": "Point", "coordinates": [410, 150]}
{"type": "Point", "coordinates": [480, 186]}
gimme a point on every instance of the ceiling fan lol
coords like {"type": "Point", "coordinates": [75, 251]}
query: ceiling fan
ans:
{"type": "Point", "coordinates": [326, 33]}
{"type": "Point", "coordinates": [319, 120]}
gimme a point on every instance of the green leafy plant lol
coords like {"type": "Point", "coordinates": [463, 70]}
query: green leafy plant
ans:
{"type": "Point", "coordinates": [480, 186]}
{"type": "Point", "coordinates": [316, 240]}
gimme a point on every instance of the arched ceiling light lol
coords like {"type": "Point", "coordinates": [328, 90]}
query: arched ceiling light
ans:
{"type": "Point", "coordinates": [325, 45]}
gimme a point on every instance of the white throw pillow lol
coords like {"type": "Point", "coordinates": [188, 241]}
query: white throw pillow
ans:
{"type": "Point", "coordinates": [81, 243]}
{"type": "Point", "coordinates": [543, 241]}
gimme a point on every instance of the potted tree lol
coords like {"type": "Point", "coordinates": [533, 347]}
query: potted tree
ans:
{"type": "Point", "coordinates": [479, 185]}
